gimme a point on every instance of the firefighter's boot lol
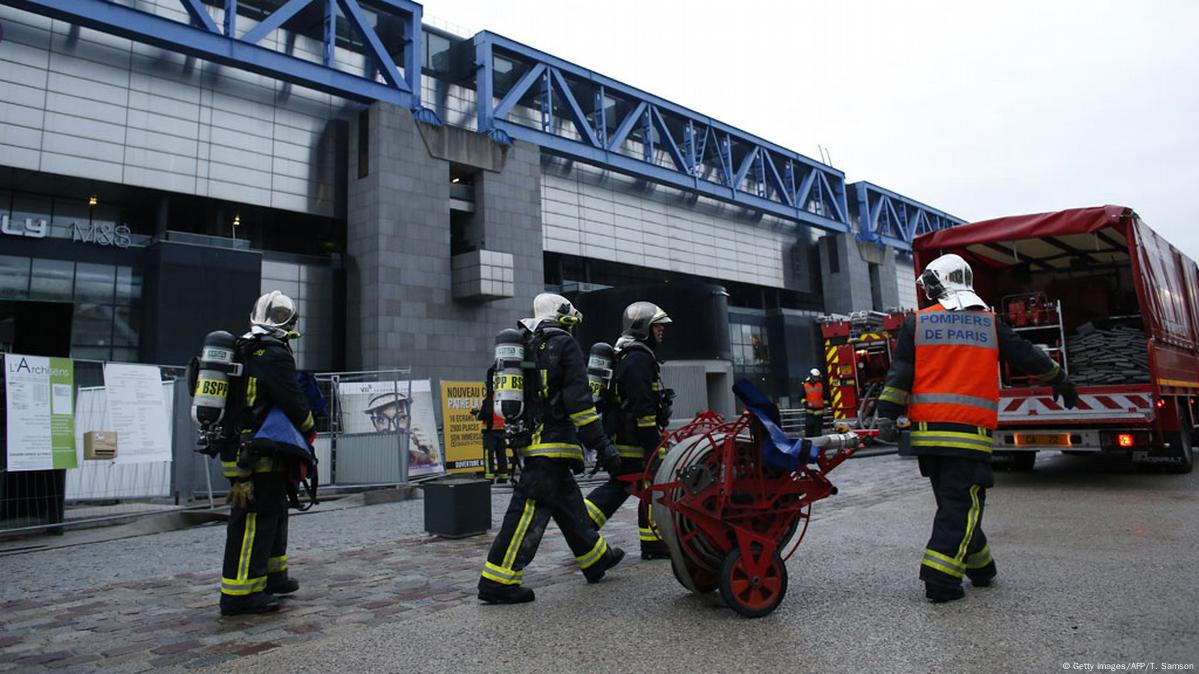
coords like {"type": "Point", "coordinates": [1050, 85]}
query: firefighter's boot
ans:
{"type": "Point", "coordinates": [505, 594]}
{"type": "Point", "coordinates": [257, 602]}
{"type": "Point", "coordinates": [281, 585]}
{"type": "Point", "coordinates": [654, 550]}
{"type": "Point", "coordinates": [595, 572]}
{"type": "Point", "coordinates": [939, 594]}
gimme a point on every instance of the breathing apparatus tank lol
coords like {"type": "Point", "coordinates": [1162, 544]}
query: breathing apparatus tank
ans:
{"type": "Point", "coordinates": [599, 368]}
{"type": "Point", "coordinates": [217, 364]}
{"type": "Point", "coordinates": [509, 376]}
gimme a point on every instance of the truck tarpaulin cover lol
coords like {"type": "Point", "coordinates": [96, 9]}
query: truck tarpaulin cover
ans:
{"type": "Point", "coordinates": [1014, 228]}
{"type": "Point", "coordinates": [1170, 288]}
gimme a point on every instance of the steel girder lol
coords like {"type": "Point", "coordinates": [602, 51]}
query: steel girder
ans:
{"type": "Point", "coordinates": [894, 220]}
{"type": "Point", "coordinates": [570, 111]}
{"type": "Point", "coordinates": [203, 38]}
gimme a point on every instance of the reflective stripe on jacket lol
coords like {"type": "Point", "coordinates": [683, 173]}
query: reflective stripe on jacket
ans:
{"type": "Point", "coordinates": [957, 368]}
{"type": "Point", "coordinates": [568, 417]}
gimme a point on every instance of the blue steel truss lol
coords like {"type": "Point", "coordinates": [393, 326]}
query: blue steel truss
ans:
{"type": "Point", "coordinates": [573, 112]}
{"type": "Point", "coordinates": [892, 219]}
{"type": "Point", "coordinates": [203, 38]}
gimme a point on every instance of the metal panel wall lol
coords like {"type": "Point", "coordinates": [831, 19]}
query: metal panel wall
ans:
{"type": "Point", "coordinates": [599, 214]}
{"type": "Point", "coordinates": [905, 276]}
{"type": "Point", "coordinates": [83, 103]}
{"type": "Point", "coordinates": [311, 286]}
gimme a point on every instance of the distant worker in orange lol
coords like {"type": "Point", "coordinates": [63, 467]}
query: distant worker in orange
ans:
{"type": "Point", "coordinates": [946, 373]}
{"type": "Point", "coordinates": [813, 400]}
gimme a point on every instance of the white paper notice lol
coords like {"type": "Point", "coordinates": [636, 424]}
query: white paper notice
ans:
{"type": "Point", "coordinates": [137, 412]}
{"type": "Point", "coordinates": [40, 431]}
{"type": "Point", "coordinates": [61, 401]}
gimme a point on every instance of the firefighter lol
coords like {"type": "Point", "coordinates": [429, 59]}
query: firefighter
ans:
{"type": "Point", "coordinates": [495, 450]}
{"type": "Point", "coordinates": [255, 564]}
{"type": "Point", "coordinates": [946, 374]}
{"type": "Point", "coordinates": [558, 413]}
{"type": "Point", "coordinates": [637, 410]}
{"type": "Point", "coordinates": [813, 397]}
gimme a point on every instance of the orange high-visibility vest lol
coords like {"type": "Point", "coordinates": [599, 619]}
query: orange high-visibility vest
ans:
{"type": "Point", "coordinates": [957, 368]}
{"type": "Point", "coordinates": [813, 395]}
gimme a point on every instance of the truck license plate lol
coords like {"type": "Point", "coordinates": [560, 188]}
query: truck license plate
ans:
{"type": "Point", "coordinates": [1054, 439]}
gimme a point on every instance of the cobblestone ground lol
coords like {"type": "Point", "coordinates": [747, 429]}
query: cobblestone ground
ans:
{"type": "Point", "coordinates": [149, 603]}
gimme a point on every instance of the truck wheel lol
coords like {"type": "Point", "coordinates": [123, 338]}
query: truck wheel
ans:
{"type": "Point", "coordinates": [1023, 462]}
{"type": "Point", "coordinates": [1182, 443]}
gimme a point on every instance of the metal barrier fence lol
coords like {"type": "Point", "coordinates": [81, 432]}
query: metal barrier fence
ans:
{"type": "Point", "coordinates": [47, 497]}
{"type": "Point", "coordinates": [382, 428]}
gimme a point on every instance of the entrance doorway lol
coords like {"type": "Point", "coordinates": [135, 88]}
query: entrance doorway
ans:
{"type": "Point", "coordinates": [36, 328]}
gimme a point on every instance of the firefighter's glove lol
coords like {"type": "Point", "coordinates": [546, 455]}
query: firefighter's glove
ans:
{"type": "Point", "coordinates": [241, 494]}
{"type": "Point", "coordinates": [888, 431]}
{"type": "Point", "coordinates": [1067, 393]}
{"type": "Point", "coordinates": [608, 458]}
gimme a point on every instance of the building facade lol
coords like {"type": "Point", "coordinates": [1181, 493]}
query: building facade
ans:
{"type": "Point", "coordinates": [149, 195]}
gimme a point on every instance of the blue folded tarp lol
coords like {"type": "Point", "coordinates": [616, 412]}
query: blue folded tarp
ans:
{"type": "Point", "coordinates": [778, 451]}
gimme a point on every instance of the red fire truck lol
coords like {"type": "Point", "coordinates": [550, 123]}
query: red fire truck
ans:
{"type": "Point", "coordinates": [1115, 304]}
{"type": "Point", "coordinates": [857, 355]}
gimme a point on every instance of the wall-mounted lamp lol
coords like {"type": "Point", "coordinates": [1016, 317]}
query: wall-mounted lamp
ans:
{"type": "Point", "coordinates": [92, 200]}
{"type": "Point", "coordinates": [236, 219]}
{"type": "Point", "coordinates": [455, 180]}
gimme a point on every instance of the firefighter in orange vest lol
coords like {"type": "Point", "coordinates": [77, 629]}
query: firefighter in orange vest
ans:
{"type": "Point", "coordinates": [945, 372]}
{"type": "Point", "coordinates": [813, 399]}
{"type": "Point", "coordinates": [495, 450]}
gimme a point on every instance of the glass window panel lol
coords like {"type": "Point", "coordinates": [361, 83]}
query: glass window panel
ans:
{"type": "Point", "coordinates": [105, 215]}
{"type": "Point", "coordinates": [438, 52]}
{"type": "Point", "coordinates": [90, 353]}
{"type": "Point", "coordinates": [29, 206]}
{"type": "Point", "coordinates": [69, 212]}
{"type": "Point", "coordinates": [125, 323]}
{"type": "Point", "coordinates": [94, 282]}
{"type": "Point", "coordinates": [92, 325]}
{"type": "Point", "coordinates": [129, 285]}
{"type": "Point", "coordinates": [124, 355]}
{"type": "Point", "coordinates": [52, 280]}
{"type": "Point", "coordinates": [14, 277]}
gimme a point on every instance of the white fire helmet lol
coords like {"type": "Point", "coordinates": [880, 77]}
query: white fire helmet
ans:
{"type": "Point", "coordinates": [557, 309]}
{"type": "Point", "coordinates": [950, 281]}
{"type": "Point", "coordinates": [274, 313]}
{"type": "Point", "coordinates": [814, 373]}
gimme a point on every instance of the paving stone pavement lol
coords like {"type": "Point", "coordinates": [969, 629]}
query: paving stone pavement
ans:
{"type": "Point", "coordinates": [169, 621]}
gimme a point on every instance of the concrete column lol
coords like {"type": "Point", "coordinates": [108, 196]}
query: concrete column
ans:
{"type": "Point", "coordinates": [849, 284]}
{"type": "Point", "coordinates": [400, 309]}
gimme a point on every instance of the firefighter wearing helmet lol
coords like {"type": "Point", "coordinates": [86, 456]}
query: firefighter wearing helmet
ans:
{"type": "Point", "coordinates": [255, 563]}
{"type": "Point", "coordinates": [636, 409]}
{"type": "Point", "coordinates": [813, 391]}
{"type": "Point", "coordinates": [555, 414]}
{"type": "Point", "coordinates": [945, 374]}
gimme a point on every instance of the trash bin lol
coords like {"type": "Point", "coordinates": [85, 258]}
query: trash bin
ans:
{"type": "Point", "coordinates": [456, 507]}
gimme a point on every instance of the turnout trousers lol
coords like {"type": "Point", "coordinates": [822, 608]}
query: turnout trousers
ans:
{"type": "Point", "coordinates": [958, 547]}
{"type": "Point", "coordinates": [547, 489]}
{"type": "Point", "coordinates": [256, 539]}
{"type": "Point", "coordinates": [607, 498]}
{"type": "Point", "coordinates": [813, 424]}
{"type": "Point", "coordinates": [495, 454]}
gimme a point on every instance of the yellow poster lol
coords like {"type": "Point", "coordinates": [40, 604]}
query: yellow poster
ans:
{"type": "Point", "coordinates": [463, 431]}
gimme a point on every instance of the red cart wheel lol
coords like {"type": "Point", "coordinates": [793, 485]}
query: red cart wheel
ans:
{"type": "Point", "coordinates": [752, 596]}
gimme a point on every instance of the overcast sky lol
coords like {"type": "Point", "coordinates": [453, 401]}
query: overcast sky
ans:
{"type": "Point", "coordinates": [980, 109]}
